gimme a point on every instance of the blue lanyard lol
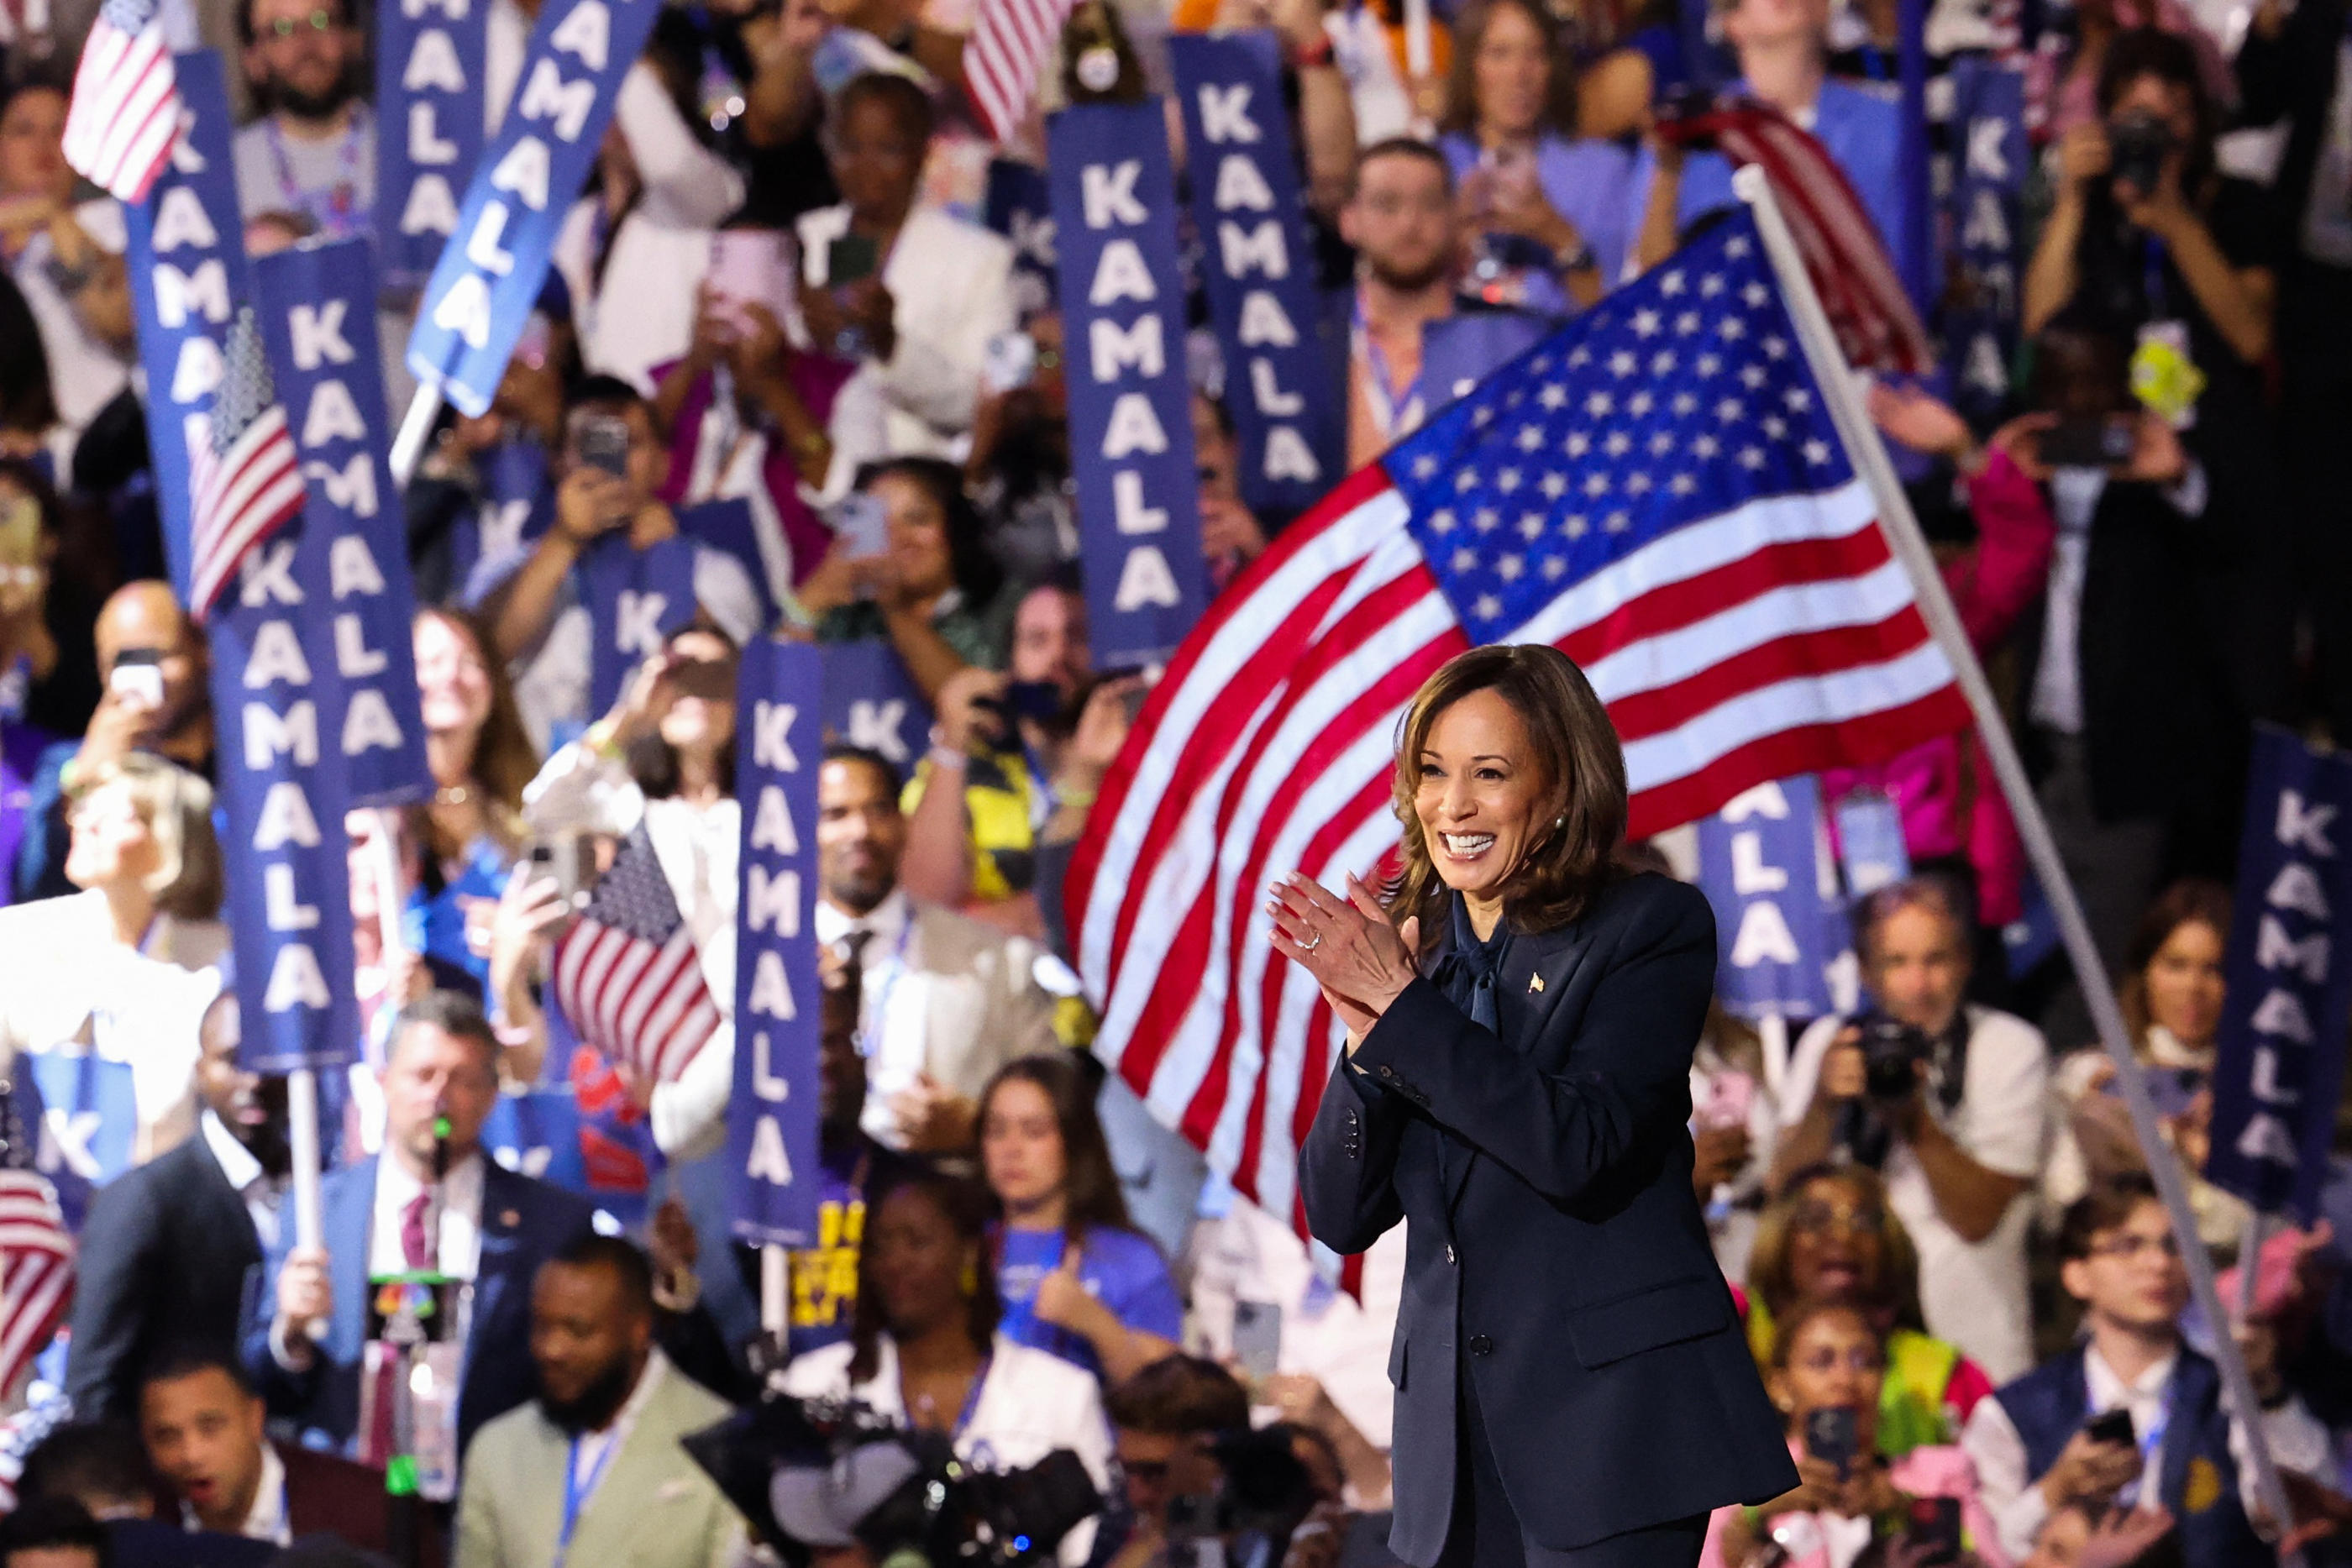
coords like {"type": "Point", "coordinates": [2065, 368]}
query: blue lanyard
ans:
{"type": "Point", "coordinates": [577, 1490]}
{"type": "Point", "coordinates": [882, 999]}
{"type": "Point", "coordinates": [1400, 400]}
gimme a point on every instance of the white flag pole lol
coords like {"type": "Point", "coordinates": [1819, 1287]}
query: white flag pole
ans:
{"type": "Point", "coordinates": [775, 1292]}
{"type": "Point", "coordinates": [408, 446]}
{"type": "Point", "coordinates": [302, 1142]}
{"type": "Point", "coordinates": [1910, 546]}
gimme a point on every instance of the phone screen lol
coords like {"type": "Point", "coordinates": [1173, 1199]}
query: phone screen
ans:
{"type": "Point", "coordinates": [604, 444]}
{"type": "Point", "coordinates": [850, 258]}
{"type": "Point", "coordinates": [862, 524]}
{"type": "Point", "coordinates": [1257, 1337]}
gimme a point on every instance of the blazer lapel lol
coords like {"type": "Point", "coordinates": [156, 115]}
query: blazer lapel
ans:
{"type": "Point", "coordinates": [502, 1206]}
{"type": "Point", "coordinates": [1521, 1007]}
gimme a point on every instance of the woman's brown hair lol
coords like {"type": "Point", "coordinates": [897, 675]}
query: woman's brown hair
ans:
{"type": "Point", "coordinates": [1090, 1191]}
{"type": "Point", "coordinates": [504, 758]}
{"type": "Point", "coordinates": [2192, 901]}
{"type": "Point", "coordinates": [1462, 80]}
{"type": "Point", "coordinates": [1576, 750]}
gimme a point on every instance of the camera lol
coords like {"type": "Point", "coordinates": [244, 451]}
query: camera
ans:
{"type": "Point", "coordinates": [1892, 1051]}
{"type": "Point", "coordinates": [815, 1473]}
{"type": "Point", "coordinates": [2138, 143]}
{"type": "Point", "coordinates": [1263, 1493]}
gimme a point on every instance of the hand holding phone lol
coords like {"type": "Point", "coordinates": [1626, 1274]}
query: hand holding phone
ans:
{"type": "Point", "coordinates": [1831, 1436]}
{"type": "Point", "coordinates": [1933, 1533]}
{"type": "Point", "coordinates": [1257, 1337]}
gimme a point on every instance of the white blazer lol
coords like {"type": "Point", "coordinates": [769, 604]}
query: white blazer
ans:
{"type": "Point", "coordinates": [66, 985]}
{"type": "Point", "coordinates": [950, 285]}
{"type": "Point", "coordinates": [1031, 1403]}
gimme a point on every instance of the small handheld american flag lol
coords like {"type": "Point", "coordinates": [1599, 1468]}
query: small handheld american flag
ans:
{"type": "Point", "coordinates": [245, 477]}
{"type": "Point", "coordinates": [627, 975]}
{"type": "Point", "coordinates": [1658, 490]}
{"type": "Point", "coordinates": [36, 1255]}
{"type": "Point", "coordinates": [1010, 42]}
{"type": "Point", "coordinates": [126, 102]}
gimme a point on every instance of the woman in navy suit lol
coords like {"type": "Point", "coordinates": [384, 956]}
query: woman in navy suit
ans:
{"type": "Point", "coordinates": [1572, 1387]}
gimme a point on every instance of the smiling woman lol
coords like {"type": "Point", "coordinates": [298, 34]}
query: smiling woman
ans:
{"type": "Point", "coordinates": [1521, 1016]}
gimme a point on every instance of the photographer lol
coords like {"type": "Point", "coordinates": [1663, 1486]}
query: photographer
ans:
{"type": "Point", "coordinates": [2145, 227]}
{"type": "Point", "coordinates": [1948, 1101]}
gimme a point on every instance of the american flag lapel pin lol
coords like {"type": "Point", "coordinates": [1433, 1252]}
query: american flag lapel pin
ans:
{"type": "Point", "coordinates": [1535, 984]}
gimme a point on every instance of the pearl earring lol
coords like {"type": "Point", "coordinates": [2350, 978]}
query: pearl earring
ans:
{"type": "Point", "coordinates": [1558, 822]}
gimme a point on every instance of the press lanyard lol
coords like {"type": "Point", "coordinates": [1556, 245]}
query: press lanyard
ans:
{"type": "Point", "coordinates": [897, 961]}
{"type": "Point", "coordinates": [577, 1490]}
{"type": "Point", "coordinates": [1392, 403]}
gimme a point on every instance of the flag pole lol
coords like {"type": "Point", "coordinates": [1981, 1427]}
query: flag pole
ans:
{"type": "Point", "coordinates": [1910, 546]}
{"type": "Point", "coordinates": [302, 1142]}
{"type": "Point", "coordinates": [775, 1294]}
{"type": "Point", "coordinates": [408, 446]}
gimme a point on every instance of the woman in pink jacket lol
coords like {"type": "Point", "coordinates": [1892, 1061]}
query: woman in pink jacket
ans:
{"type": "Point", "coordinates": [1827, 1364]}
{"type": "Point", "coordinates": [1943, 789]}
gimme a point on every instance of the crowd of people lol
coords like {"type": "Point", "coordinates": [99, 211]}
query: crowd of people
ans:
{"type": "Point", "coordinates": [1962, 1294]}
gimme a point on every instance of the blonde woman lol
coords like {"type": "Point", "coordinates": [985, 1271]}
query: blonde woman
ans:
{"type": "Point", "coordinates": [123, 970]}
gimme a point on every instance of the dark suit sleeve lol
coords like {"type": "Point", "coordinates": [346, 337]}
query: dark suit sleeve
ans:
{"type": "Point", "coordinates": [1628, 1075]}
{"type": "Point", "coordinates": [112, 1297]}
{"type": "Point", "coordinates": [1347, 1165]}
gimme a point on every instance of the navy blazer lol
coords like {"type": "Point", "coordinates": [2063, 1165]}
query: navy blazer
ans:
{"type": "Point", "coordinates": [1556, 1254]}
{"type": "Point", "coordinates": [524, 1223]}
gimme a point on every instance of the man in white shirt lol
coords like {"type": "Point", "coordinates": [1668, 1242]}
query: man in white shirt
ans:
{"type": "Point", "coordinates": [169, 1247]}
{"type": "Point", "coordinates": [946, 999]}
{"type": "Point", "coordinates": [2056, 1439]}
{"type": "Point", "coordinates": [428, 1203]}
{"type": "Point", "coordinates": [593, 1473]}
{"type": "Point", "coordinates": [1957, 1129]}
{"type": "Point", "coordinates": [313, 153]}
{"type": "Point", "coordinates": [203, 1428]}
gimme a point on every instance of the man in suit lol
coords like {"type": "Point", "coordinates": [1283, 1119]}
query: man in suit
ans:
{"type": "Point", "coordinates": [170, 1254]}
{"type": "Point", "coordinates": [593, 1474]}
{"type": "Point", "coordinates": [477, 1223]}
{"type": "Point", "coordinates": [948, 1000]}
{"type": "Point", "coordinates": [202, 1422]}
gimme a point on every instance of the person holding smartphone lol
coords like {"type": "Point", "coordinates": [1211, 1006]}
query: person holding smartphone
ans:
{"type": "Point", "coordinates": [1828, 1364]}
{"type": "Point", "coordinates": [2133, 1416]}
{"type": "Point", "coordinates": [897, 285]}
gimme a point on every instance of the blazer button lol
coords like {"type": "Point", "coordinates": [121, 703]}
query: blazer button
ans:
{"type": "Point", "coordinates": [1388, 1073]}
{"type": "Point", "coordinates": [1481, 1346]}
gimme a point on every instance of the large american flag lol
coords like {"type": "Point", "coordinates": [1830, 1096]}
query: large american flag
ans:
{"type": "Point", "coordinates": [1658, 490]}
{"type": "Point", "coordinates": [626, 974]}
{"type": "Point", "coordinates": [1010, 42]}
{"type": "Point", "coordinates": [245, 478]}
{"type": "Point", "coordinates": [125, 112]}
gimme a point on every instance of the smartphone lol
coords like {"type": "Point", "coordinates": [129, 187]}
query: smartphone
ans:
{"type": "Point", "coordinates": [750, 266]}
{"type": "Point", "coordinates": [2086, 443]}
{"type": "Point", "coordinates": [1934, 1530]}
{"type": "Point", "coordinates": [1830, 1435]}
{"type": "Point", "coordinates": [564, 858]}
{"type": "Point", "coordinates": [138, 677]}
{"type": "Point", "coordinates": [20, 531]}
{"type": "Point", "coordinates": [850, 258]}
{"type": "Point", "coordinates": [862, 524]}
{"type": "Point", "coordinates": [1257, 1336]}
{"type": "Point", "coordinates": [1729, 1096]}
{"type": "Point", "coordinates": [1038, 700]}
{"type": "Point", "coordinates": [712, 680]}
{"type": "Point", "coordinates": [2112, 1426]}
{"type": "Point", "coordinates": [603, 443]}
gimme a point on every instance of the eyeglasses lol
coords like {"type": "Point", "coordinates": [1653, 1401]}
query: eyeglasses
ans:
{"type": "Point", "coordinates": [1828, 1358]}
{"type": "Point", "coordinates": [1820, 1219]}
{"type": "Point", "coordinates": [2127, 1248]}
{"type": "Point", "coordinates": [286, 27]}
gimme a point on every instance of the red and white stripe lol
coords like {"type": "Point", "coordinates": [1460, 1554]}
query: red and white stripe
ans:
{"type": "Point", "coordinates": [1010, 42]}
{"type": "Point", "coordinates": [36, 1271]}
{"type": "Point", "coordinates": [635, 1001]}
{"type": "Point", "coordinates": [1846, 256]}
{"type": "Point", "coordinates": [238, 499]}
{"type": "Point", "coordinates": [1777, 639]}
{"type": "Point", "coordinates": [125, 112]}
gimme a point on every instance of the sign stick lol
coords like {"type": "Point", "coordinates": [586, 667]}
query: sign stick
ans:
{"type": "Point", "coordinates": [1773, 1032]}
{"type": "Point", "coordinates": [415, 425]}
{"type": "Point", "coordinates": [302, 1134]}
{"type": "Point", "coordinates": [775, 1290]}
{"type": "Point", "coordinates": [2250, 1261]}
{"type": "Point", "coordinates": [391, 896]}
{"type": "Point", "coordinates": [1910, 546]}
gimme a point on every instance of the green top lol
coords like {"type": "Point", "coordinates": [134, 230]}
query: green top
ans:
{"type": "Point", "coordinates": [981, 636]}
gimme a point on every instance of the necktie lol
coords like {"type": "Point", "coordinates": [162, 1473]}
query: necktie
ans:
{"type": "Point", "coordinates": [411, 1232]}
